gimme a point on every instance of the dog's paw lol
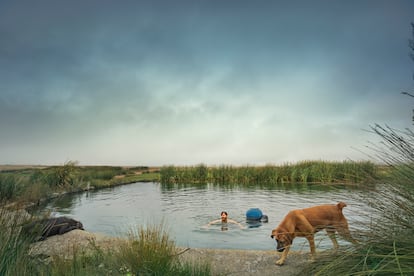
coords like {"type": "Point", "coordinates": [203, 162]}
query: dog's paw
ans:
{"type": "Point", "coordinates": [280, 262]}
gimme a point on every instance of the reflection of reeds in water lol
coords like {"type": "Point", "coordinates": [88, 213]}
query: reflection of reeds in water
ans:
{"type": "Point", "coordinates": [302, 172]}
{"type": "Point", "coordinates": [387, 248]}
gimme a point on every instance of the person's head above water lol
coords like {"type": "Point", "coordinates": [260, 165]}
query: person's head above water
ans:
{"type": "Point", "coordinates": [223, 216]}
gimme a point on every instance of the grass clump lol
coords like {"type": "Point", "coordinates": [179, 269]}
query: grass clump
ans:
{"type": "Point", "coordinates": [9, 187]}
{"type": "Point", "coordinates": [387, 246]}
{"type": "Point", "coordinates": [14, 245]}
{"type": "Point", "coordinates": [150, 251]}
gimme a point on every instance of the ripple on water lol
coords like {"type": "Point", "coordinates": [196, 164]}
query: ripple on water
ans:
{"type": "Point", "coordinates": [185, 211]}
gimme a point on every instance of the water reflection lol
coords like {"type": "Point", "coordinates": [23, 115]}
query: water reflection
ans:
{"type": "Point", "coordinates": [291, 187]}
{"type": "Point", "coordinates": [185, 209]}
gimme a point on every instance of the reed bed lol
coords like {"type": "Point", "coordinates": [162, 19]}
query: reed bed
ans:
{"type": "Point", "coordinates": [39, 183]}
{"type": "Point", "coordinates": [387, 247]}
{"type": "Point", "coordinates": [302, 172]}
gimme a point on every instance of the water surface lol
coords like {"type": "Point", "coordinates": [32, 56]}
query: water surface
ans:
{"type": "Point", "coordinates": [185, 211]}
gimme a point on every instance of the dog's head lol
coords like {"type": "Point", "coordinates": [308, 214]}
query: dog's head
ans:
{"type": "Point", "coordinates": [282, 238]}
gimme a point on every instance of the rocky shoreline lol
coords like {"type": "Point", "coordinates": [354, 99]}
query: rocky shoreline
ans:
{"type": "Point", "coordinates": [222, 261]}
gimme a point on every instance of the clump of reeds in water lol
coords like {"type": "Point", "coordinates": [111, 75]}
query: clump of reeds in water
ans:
{"type": "Point", "coordinates": [302, 172]}
{"type": "Point", "coordinates": [387, 247]}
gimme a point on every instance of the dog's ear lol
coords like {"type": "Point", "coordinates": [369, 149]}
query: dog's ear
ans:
{"type": "Point", "coordinates": [274, 233]}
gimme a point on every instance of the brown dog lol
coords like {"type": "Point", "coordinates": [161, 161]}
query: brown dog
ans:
{"type": "Point", "coordinates": [306, 222]}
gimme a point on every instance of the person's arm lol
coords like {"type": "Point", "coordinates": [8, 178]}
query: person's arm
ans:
{"type": "Point", "coordinates": [213, 222]}
{"type": "Point", "coordinates": [235, 222]}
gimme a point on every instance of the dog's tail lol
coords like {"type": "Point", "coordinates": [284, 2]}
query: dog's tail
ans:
{"type": "Point", "coordinates": [341, 205]}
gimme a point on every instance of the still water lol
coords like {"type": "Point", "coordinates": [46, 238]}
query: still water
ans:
{"type": "Point", "coordinates": [185, 211]}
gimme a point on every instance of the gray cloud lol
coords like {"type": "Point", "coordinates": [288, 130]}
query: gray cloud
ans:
{"type": "Point", "coordinates": [218, 82]}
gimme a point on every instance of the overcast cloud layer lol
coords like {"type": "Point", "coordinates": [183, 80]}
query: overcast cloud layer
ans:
{"type": "Point", "coordinates": [188, 82]}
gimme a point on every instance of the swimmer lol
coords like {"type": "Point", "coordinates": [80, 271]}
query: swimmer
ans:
{"type": "Point", "coordinates": [224, 221]}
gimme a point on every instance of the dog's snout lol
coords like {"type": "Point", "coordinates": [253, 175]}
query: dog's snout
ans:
{"type": "Point", "coordinates": [271, 236]}
{"type": "Point", "coordinates": [281, 249]}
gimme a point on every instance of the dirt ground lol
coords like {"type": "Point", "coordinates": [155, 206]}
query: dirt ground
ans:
{"type": "Point", "coordinates": [247, 262]}
{"type": "Point", "coordinates": [222, 261]}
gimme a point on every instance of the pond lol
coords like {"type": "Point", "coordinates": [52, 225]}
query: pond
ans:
{"type": "Point", "coordinates": [185, 210]}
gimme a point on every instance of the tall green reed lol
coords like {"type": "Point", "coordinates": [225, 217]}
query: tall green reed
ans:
{"type": "Point", "coordinates": [150, 251]}
{"type": "Point", "coordinates": [9, 187]}
{"type": "Point", "coordinates": [304, 172]}
{"type": "Point", "coordinates": [387, 246]}
{"type": "Point", "coordinates": [14, 245]}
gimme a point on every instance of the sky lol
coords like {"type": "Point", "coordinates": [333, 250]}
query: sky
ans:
{"type": "Point", "coordinates": [203, 81]}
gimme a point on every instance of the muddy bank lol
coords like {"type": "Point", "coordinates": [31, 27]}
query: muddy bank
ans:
{"type": "Point", "coordinates": [222, 261]}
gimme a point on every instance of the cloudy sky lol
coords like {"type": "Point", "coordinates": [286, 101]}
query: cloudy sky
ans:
{"type": "Point", "coordinates": [188, 82]}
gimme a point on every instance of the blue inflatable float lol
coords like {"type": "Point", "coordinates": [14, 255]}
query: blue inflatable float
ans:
{"type": "Point", "coordinates": [254, 214]}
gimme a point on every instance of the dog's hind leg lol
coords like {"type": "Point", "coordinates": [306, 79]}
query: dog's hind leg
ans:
{"type": "Point", "coordinates": [311, 240]}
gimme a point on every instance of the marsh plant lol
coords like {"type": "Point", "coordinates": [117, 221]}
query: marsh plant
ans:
{"type": "Point", "coordinates": [387, 247]}
{"type": "Point", "coordinates": [14, 245]}
{"type": "Point", "coordinates": [37, 184]}
{"type": "Point", "coordinates": [150, 251]}
{"type": "Point", "coordinates": [301, 172]}
{"type": "Point", "coordinates": [9, 187]}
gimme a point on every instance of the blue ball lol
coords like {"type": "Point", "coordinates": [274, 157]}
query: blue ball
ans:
{"type": "Point", "coordinates": [254, 214]}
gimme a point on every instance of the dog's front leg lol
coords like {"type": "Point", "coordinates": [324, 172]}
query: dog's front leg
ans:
{"type": "Point", "coordinates": [331, 235]}
{"type": "Point", "coordinates": [282, 259]}
{"type": "Point", "coordinates": [311, 241]}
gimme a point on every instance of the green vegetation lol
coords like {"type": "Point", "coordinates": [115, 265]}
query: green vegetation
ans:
{"type": "Point", "coordinates": [39, 183]}
{"type": "Point", "coordinates": [147, 252]}
{"type": "Point", "coordinates": [387, 246]}
{"type": "Point", "coordinates": [13, 245]}
{"type": "Point", "coordinates": [9, 186]}
{"type": "Point", "coordinates": [151, 252]}
{"type": "Point", "coordinates": [302, 172]}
